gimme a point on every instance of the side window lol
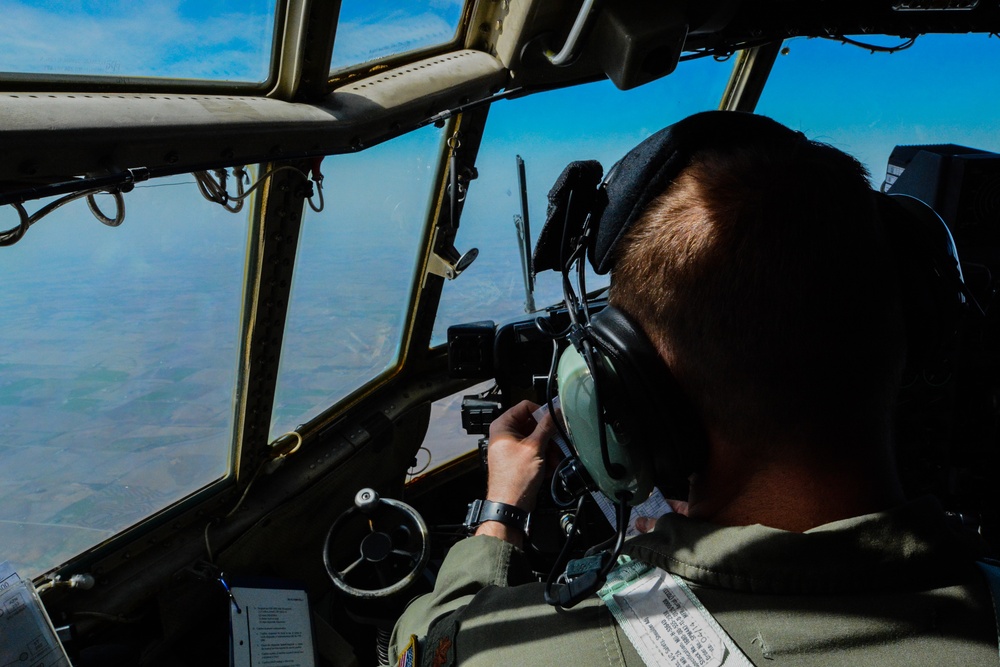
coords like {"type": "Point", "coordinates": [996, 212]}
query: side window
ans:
{"type": "Point", "coordinates": [118, 368]}
{"type": "Point", "coordinates": [446, 440]}
{"type": "Point", "coordinates": [217, 40]}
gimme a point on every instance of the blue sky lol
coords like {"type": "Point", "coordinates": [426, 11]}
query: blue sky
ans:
{"type": "Point", "coordinates": [943, 89]}
{"type": "Point", "coordinates": [213, 39]}
{"type": "Point", "coordinates": [223, 39]}
{"type": "Point", "coordinates": [370, 29]}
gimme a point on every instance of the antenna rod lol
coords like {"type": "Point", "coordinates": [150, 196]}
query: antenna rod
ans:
{"type": "Point", "coordinates": [523, 226]}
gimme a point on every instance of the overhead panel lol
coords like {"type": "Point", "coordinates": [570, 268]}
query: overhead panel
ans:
{"type": "Point", "coordinates": [57, 135]}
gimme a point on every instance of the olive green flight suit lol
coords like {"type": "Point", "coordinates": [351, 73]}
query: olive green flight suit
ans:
{"type": "Point", "coordinates": [893, 588]}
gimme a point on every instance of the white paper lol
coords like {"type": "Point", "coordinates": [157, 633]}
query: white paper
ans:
{"type": "Point", "coordinates": [270, 628]}
{"type": "Point", "coordinates": [26, 633]}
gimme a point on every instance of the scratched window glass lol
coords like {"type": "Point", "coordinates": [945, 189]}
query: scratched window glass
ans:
{"type": "Point", "coordinates": [373, 29]}
{"type": "Point", "coordinates": [118, 368]}
{"type": "Point", "coordinates": [218, 40]}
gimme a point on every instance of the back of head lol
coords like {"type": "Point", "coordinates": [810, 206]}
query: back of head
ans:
{"type": "Point", "coordinates": [762, 276]}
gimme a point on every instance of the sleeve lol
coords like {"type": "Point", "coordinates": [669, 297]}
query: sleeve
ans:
{"type": "Point", "coordinates": [471, 565]}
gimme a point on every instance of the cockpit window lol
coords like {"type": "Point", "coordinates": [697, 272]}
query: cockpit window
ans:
{"type": "Point", "coordinates": [118, 368]}
{"type": "Point", "coordinates": [373, 29]}
{"type": "Point", "coordinates": [217, 40]}
{"type": "Point", "coordinates": [353, 275]}
{"type": "Point", "coordinates": [445, 440]}
{"type": "Point", "coordinates": [550, 130]}
{"type": "Point", "coordinates": [865, 102]}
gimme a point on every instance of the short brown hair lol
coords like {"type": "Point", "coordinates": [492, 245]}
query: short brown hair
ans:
{"type": "Point", "coordinates": [763, 276]}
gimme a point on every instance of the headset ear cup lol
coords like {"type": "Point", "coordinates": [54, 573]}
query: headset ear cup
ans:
{"type": "Point", "coordinates": [932, 288]}
{"type": "Point", "coordinates": [627, 471]}
{"type": "Point", "coordinates": [648, 404]}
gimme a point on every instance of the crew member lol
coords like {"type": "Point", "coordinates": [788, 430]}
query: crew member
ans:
{"type": "Point", "coordinates": [765, 281]}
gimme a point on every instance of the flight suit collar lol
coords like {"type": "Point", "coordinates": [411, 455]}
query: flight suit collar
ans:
{"type": "Point", "coordinates": [913, 544]}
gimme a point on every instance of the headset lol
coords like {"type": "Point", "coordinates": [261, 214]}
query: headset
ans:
{"type": "Point", "coordinates": [627, 419]}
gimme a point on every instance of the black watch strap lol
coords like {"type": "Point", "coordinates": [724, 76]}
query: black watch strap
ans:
{"type": "Point", "coordinates": [488, 510]}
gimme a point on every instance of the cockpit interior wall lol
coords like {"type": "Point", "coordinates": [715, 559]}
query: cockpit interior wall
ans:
{"type": "Point", "coordinates": [382, 462]}
{"type": "Point", "coordinates": [287, 543]}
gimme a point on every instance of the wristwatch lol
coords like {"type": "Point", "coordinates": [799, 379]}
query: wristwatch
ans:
{"type": "Point", "coordinates": [488, 510]}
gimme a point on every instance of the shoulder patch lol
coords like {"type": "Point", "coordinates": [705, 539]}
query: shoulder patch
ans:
{"type": "Point", "coordinates": [408, 658]}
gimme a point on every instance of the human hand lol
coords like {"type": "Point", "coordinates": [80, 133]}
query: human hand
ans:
{"type": "Point", "coordinates": [516, 456]}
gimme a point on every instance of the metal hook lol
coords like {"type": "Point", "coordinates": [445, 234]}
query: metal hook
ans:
{"type": "Point", "coordinates": [119, 209]}
{"type": "Point", "coordinates": [14, 234]}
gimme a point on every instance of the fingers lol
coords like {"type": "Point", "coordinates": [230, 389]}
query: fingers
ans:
{"type": "Point", "coordinates": [516, 455]}
{"type": "Point", "coordinates": [678, 506]}
{"type": "Point", "coordinates": [518, 421]}
{"type": "Point", "coordinates": [644, 524]}
{"type": "Point", "coordinates": [546, 428]}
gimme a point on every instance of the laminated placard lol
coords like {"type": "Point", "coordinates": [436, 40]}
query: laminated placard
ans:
{"type": "Point", "coordinates": [28, 637]}
{"type": "Point", "coordinates": [270, 625]}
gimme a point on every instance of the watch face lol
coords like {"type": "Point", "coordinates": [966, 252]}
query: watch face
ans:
{"type": "Point", "coordinates": [472, 516]}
